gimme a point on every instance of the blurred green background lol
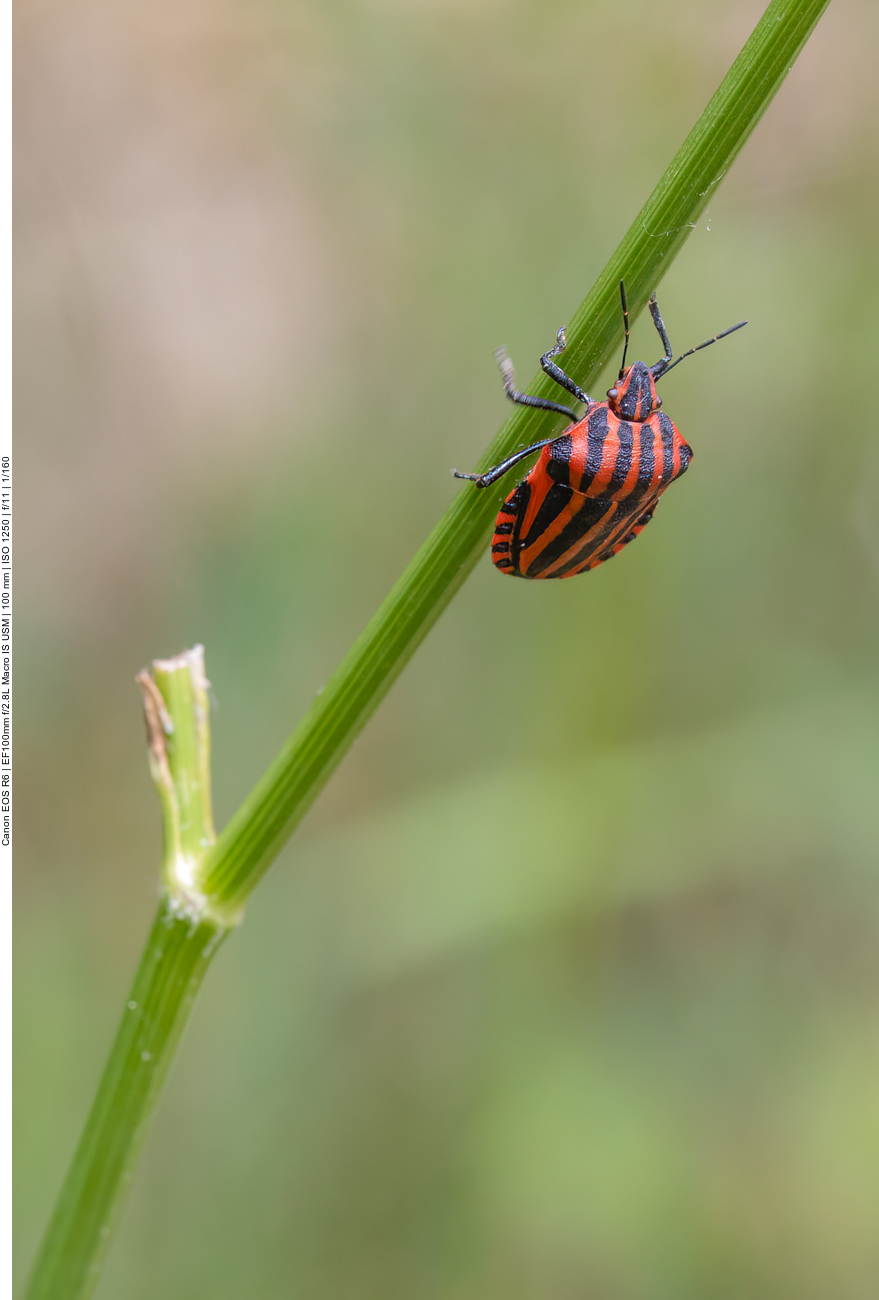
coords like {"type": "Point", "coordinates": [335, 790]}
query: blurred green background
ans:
{"type": "Point", "coordinates": [567, 986]}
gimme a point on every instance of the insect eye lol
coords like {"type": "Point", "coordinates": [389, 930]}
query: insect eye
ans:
{"type": "Point", "coordinates": [613, 393]}
{"type": "Point", "coordinates": [658, 403]}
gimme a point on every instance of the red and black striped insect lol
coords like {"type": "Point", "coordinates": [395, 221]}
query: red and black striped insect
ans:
{"type": "Point", "coordinates": [596, 485]}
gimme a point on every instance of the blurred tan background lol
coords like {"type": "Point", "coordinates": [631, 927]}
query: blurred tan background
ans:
{"type": "Point", "coordinates": [567, 987]}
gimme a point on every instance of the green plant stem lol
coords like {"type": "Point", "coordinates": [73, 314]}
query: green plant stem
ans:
{"type": "Point", "coordinates": [214, 881]}
{"type": "Point", "coordinates": [267, 818]}
{"type": "Point", "coordinates": [172, 967]}
{"type": "Point", "coordinates": [183, 687]}
{"type": "Point", "coordinates": [185, 934]}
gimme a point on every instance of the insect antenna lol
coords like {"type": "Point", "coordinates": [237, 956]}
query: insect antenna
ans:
{"type": "Point", "coordinates": [625, 306]}
{"type": "Point", "coordinates": [659, 370]}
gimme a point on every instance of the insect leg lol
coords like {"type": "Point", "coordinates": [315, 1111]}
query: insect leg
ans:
{"type": "Point", "coordinates": [525, 399]}
{"type": "Point", "coordinates": [661, 330]}
{"type": "Point", "coordinates": [555, 372]}
{"type": "Point", "coordinates": [497, 471]}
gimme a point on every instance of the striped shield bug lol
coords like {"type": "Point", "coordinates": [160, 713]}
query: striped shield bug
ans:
{"type": "Point", "coordinates": [596, 485]}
